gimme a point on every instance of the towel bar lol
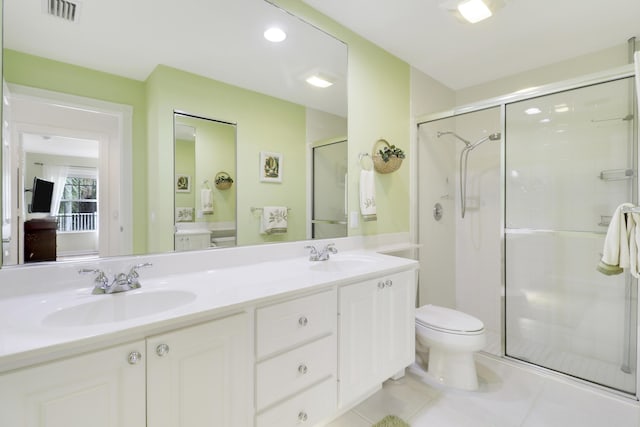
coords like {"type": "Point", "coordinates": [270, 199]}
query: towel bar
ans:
{"type": "Point", "coordinates": [259, 209]}
{"type": "Point", "coordinates": [635, 209]}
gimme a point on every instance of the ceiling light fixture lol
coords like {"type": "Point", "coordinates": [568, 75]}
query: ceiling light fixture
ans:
{"type": "Point", "coordinates": [474, 10]}
{"type": "Point", "coordinates": [275, 35]}
{"type": "Point", "coordinates": [318, 81]}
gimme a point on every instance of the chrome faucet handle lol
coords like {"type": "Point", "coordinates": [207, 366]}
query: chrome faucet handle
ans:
{"type": "Point", "coordinates": [133, 271]}
{"type": "Point", "coordinates": [132, 277]}
{"type": "Point", "coordinates": [101, 280]}
{"type": "Point", "coordinates": [331, 247]}
{"type": "Point", "coordinates": [313, 252]}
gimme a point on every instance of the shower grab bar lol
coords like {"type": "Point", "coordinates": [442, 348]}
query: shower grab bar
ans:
{"type": "Point", "coordinates": [616, 174]}
{"type": "Point", "coordinates": [328, 221]}
{"type": "Point", "coordinates": [635, 209]}
{"type": "Point", "coordinates": [592, 233]}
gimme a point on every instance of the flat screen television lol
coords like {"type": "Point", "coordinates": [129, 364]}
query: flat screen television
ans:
{"type": "Point", "coordinates": [41, 194]}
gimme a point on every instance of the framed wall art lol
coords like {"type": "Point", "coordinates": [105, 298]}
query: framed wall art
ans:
{"type": "Point", "coordinates": [270, 167]}
{"type": "Point", "coordinates": [183, 183]}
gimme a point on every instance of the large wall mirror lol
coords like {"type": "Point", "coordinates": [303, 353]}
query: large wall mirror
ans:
{"type": "Point", "coordinates": [107, 80]}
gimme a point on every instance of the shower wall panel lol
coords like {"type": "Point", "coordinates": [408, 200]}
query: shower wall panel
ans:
{"type": "Point", "coordinates": [460, 258]}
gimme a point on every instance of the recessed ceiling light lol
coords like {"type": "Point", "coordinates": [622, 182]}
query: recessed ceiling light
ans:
{"type": "Point", "coordinates": [318, 81]}
{"type": "Point", "coordinates": [533, 110]}
{"type": "Point", "coordinates": [275, 34]}
{"type": "Point", "coordinates": [474, 10]}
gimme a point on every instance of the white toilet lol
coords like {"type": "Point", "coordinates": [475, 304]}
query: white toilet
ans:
{"type": "Point", "coordinates": [451, 337]}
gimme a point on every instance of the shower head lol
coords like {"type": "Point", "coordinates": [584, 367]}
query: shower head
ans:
{"type": "Point", "coordinates": [492, 137]}
{"type": "Point", "coordinates": [467, 143]}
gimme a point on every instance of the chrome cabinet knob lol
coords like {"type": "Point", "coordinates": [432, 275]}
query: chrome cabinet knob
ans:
{"type": "Point", "coordinates": [162, 350]}
{"type": "Point", "coordinates": [134, 357]}
{"type": "Point", "coordinates": [381, 285]}
{"type": "Point", "coordinates": [302, 416]}
{"type": "Point", "coordinates": [388, 283]}
{"type": "Point", "coordinates": [303, 369]}
{"type": "Point", "coordinates": [302, 321]}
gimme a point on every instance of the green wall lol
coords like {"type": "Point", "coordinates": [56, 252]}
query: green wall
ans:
{"type": "Point", "coordinates": [185, 164]}
{"type": "Point", "coordinates": [33, 71]}
{"type": "Point", "coordinates": [264, 123]}
{"type": "Point", "coordinates": [379, 107]}
{"type": "Point", "coordinates": [213, 151]}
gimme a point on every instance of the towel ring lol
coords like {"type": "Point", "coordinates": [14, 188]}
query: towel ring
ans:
{"type": "Point", "coordinates": [366, 162]}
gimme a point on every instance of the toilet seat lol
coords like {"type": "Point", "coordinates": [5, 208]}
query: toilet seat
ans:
{"type": "Point", "coordinates": [447, 320]}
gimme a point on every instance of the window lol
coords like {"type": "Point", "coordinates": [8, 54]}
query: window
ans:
{"type": "Point", "coordinates": [79, 205]}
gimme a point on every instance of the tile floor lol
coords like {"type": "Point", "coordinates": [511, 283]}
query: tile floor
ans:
{"type": "Point", "coordinates": [510, 395]}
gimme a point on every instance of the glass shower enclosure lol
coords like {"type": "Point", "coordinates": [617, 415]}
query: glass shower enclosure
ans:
{"type": "Point", "coordinates": [570, 159]}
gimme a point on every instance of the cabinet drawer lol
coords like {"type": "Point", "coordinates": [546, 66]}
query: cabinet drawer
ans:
{"type": "Point", "coordinates": [290, 372]}
{"type": "Point", "coordinates": [287, 324]}
{"type": "Point", "coordinates": [307, 408]}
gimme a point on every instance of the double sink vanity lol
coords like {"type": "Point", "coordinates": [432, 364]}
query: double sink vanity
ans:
{"type": "Point", "coordinates": [208, 339]}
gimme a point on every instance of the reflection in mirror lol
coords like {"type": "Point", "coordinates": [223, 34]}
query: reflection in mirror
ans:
{"type": "Point", "coordinates": [250, 81]}
{"type": "Point", "coordinates": [61, 177]}
{"type": "Point", "coordinates": [205, 190]}
{"type": "Point", "coordinates": [329, 189]}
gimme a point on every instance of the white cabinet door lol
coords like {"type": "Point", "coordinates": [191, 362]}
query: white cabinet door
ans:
{"type": "Point", "coordinates": [376, 332]}
{"type": "Point", "coordinates": [357, 340]}
{"type": "Point", "coordinates": [200, 376]}
{"type": "Point", "coordinates": [396, 309]}
{"type": "Point", "coordinates": [101, 389]}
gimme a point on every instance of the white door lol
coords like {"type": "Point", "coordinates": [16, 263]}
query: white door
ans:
{"type": "Point", "coordinates": [101, 389]}
{"type": "Point", "coordinates": [200, 376]}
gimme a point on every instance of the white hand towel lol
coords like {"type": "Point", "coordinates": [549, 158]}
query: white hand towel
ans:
{"type": "Point", "coordinates": [368, 195]}
{"type": "Point", "coordinates": [636, 57]}
{"type": "Point", "coordinates": [274, 220]}
{"type": "Point", "coordinates": [206, 201]}
{"type": "Point", "coordinates": [633, 224]}
{"type": "Point", "coordinates": [616, 250]}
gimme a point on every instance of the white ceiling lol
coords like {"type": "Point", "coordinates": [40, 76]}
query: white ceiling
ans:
{"type": "Point", "coordinates": [522, 35]}
{"type": "Point", "coordinates": [219, 39]}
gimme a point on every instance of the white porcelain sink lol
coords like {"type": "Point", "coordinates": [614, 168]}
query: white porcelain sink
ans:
{"type": "Point", "coordinates": [118, 307]}
{"type": "Point", "coordinates": [342, 264]}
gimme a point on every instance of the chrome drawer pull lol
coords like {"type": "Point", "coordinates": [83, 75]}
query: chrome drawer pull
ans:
{"type": "Point", "coordinates": [302, 416]}
{"type": "Point", "coordinates": [302, 321]}
{"type": "Point", "coordinates": [162, 350]}
{"type": "Point", "coordinates": [134, 357]}
{"type": "Point", "coordinates": [302, 369]}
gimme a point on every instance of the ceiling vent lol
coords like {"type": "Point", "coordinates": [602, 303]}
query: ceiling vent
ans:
{"type": "Point", "coordinates": [63, 9]}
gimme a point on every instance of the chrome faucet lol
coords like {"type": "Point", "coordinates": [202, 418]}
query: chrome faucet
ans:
{"type": "Point", "coordinates": [323, 255]}
{"type": "Point", "coordinates": [121, 282]}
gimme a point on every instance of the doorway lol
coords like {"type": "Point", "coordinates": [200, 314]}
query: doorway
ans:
{"type": "Point", "coordinates": [90, 142]}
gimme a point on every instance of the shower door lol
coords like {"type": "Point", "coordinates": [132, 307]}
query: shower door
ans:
{"type": "Point", "coordinates": [570, 160]}
{"type": "Point", "coordinates": [329, 214]}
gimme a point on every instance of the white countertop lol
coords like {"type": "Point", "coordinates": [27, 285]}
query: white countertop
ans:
{"type": "Point", "coordinates": [27, 337]}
